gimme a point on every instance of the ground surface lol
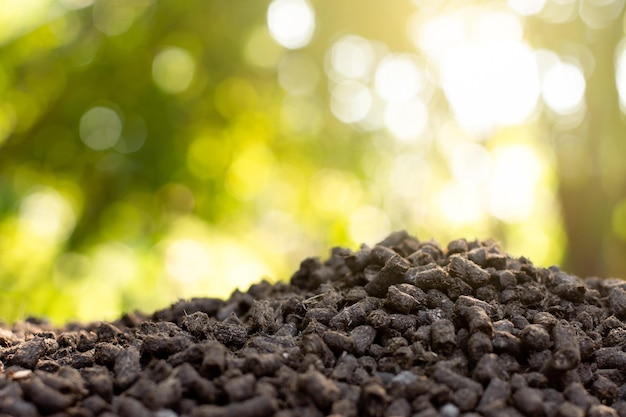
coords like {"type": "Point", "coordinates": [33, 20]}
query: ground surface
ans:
{"type": "Point", "coordinates": [405, 328]}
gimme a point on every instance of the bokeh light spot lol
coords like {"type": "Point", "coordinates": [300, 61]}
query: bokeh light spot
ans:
{"type": "Point", "coordinates": [563, 88]}
{"type": "Point", "coordinates": [350, 101]}
{"type": "Point", "coordinates": [560, 11]}
{"type": "Point", "coordinates": [187, 260]}
{"type": "Point", "coordinates": [620, 73]}
{"type": "Point", "coordinates": [260, 49]}
{"type": "Point", "coordinates": [18, 16]}
{"type": "Point", "coordinates": [460, 205]}
{"type": "Point", "coordinates": [398, 78]}
{"type": "Point", "coordinates": [406, 120]}
{"type": "Point", "coordinates": [491, 85]}
{"type": "Point", "coordinates": [527, 7]}
{"type": "Point", "coordinates": [46, 214]}
{"type": "Point", "coordinates": [409, 175]}
{"type": "Point", "coordinates": [470, 164]}
{"type": "Point", "coordinates": [352, 57]}
{"type": "Point", "coordinates": [173, 69]}
{"type": "Point", "coordinates": [598, 14]}
{"type": "Point", "coordinates": [114, 17]}
{"type": "Point", "coordinates": [100, 128]}
{"type": "Point", "coordinates": [512, 187]}
{"type": "Point", "coordinates": [439, 35]}
{"type": "Point", "coordinates": [291, 22]}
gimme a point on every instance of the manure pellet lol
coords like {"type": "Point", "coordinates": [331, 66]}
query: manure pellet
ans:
{"type": "Point", "coordinates": [400, 328]}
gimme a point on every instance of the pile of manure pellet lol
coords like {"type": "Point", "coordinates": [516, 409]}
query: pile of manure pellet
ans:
{"type": "Point", "coordinates": [404, 328]}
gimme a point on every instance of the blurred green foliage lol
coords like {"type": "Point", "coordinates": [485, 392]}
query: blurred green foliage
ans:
{"type": "Point", "coordinates": [151, 150]}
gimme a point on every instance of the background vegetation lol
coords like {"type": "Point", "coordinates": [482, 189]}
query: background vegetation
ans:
{"type": "Point", "coordinates": [153, 149]}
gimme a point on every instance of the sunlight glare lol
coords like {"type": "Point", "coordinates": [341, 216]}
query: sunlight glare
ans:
{"type": "Point", "coordinates": [291, 22]}
{"type": "Point", "coordinates": [527, 7]}
{"type": "Point", "coordinates": [470, 164]}
{"type": "Point", "coordinates": [406, 120]}
{"type": "Point", "coordinates": [438, 35]}
{"type": "Point", "coordinates": [563, 88]}
{"type": "Point", "coordinates": [512, 187]}
{"type": "Point", "coordinates": [495, 27]}
{"type": "Point", "coordinates": [620, 73]}
{"type": "Point", "coordinates": [398, 78]}
{"type": "Point", "coordinates": [21, 16]}
{"type": "Point", "coordinates": [46, 214]}
{"type": "Point", "coordinates": [187, 260]}
{"type": "Point", "coordinates": [409, 175]}
{"type": "Point", "coordinates": [491, 85]}
{"type": "Point", "coordinates": [459, 205]}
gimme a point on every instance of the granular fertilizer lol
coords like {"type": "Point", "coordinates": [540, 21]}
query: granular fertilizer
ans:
{"type": "Point", "coordinates": [404, 328]}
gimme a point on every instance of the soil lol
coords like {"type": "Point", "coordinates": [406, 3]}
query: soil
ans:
{"type": "Point", "coordinates": [404, 328]}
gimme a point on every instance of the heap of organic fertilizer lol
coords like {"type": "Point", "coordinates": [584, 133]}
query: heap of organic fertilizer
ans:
{"type": "Point", "coordinates": [404, 328]}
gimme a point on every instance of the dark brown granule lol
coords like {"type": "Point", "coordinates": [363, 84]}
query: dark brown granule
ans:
{"type": "Point", "coordinates": [403, 328]}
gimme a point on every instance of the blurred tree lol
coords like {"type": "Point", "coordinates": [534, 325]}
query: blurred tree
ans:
{"type": "Point", "coordinates": [151, 150]}
{"type": "Point", "coordinates": [588, 155]}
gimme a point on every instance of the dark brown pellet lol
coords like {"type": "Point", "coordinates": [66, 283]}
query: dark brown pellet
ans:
{"type": "Point", "coordinates": [127, 367]}
{"type": "Point", "coordinates": [535, 337]}
{"type": "Point", "coordinates": [568, 409]}
{"type": "Point", "coordinates": [405, 298]}
{"type": "Point", "coordinates": [254, 407]}
{"type": "Point", "coordinates": [566, 349]}
{"type": "Point", "coordinates": [428, 279]}
{"type": "Point", "coordinates": [402, 329]}
{"type": "Point", "coordinates": [600, 410]}
{"type": "Point", "coordinates": [443, 336]}
{"type": "Point", "coordinates": [456, 381]}
{"type": "Point", "coordinates": [468, 271]}
{"type": "Point", "coordinates": [604, 389]}
{"type": "Point", "coordinates": [529, 401]}
{"type": "Point", "coordinates": [321, 390]}
{"type": "Point", "coordinates": [29, 353]}
{"type": "Point", "coordinates": [457, 246]}
{"type": "Point", "coordinates": [45, 398]}
{"type": "Point", "coordinates": [495, 396]}
{"type": "Point", "coordinates": [392, 273]}
{"type": "Point", "coordinates": [617, 301]}
{"type": "Point", "coordinates": [478, 320]}
{"type": "Point", "coordinates": [478, 345]}
{"type": "Point", "coordinates": [374, 399]}
{"type": "Point", "coordinates": [363, 336]}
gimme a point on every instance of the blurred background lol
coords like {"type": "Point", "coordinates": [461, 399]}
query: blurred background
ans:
{"type": "Point", "coordinates": [151, 150]}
